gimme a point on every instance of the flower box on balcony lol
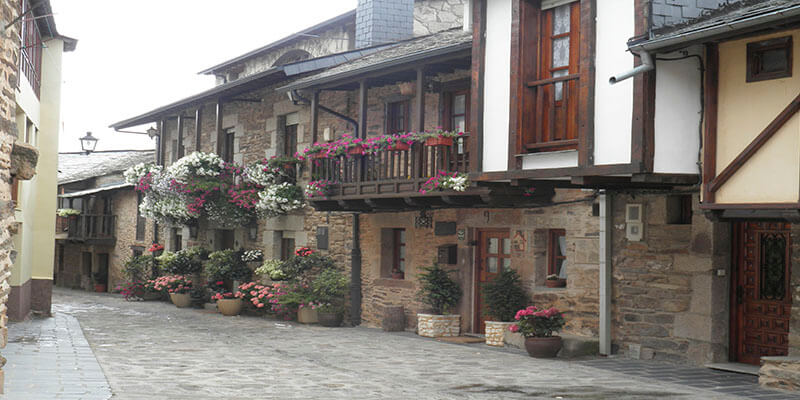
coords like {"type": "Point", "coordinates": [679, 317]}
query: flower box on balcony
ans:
{"type": "Point", "coordinates": [439, 141]}
{"type": "Point", "coordinates": [400, 146]}
{"type": "Point", "coordinates": [355, 151]}
{"type": "Point", "coordinates": [317, 156]}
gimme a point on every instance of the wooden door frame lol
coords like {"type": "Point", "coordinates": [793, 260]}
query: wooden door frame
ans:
{"type": "Point", "coordinates": [476, 283]}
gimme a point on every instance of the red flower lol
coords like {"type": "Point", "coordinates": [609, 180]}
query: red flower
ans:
{"type": "Point", "coordinates": [303, 252]}
{"type": "Point", "coordinates": [156, 247]}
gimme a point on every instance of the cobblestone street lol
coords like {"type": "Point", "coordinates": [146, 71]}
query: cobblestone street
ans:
{"type": "Point", "coordinates": [153, 350]}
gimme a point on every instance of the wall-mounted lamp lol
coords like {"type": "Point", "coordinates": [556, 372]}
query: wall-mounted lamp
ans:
{"type": "Point", "coordinates": [252, 233]}
{"type": "Point", "coordinates": [152, 132]}
{"type": "Point", "coordinates": [88, 143]}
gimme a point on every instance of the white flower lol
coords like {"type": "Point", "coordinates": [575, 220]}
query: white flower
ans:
{"type": "Point", "coordinates": [279, 199]}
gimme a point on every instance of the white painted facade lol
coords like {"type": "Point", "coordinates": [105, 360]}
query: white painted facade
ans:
{"type": "Point", "coordinates": [497, 85]}
{"type": "Point", "coordinates": [678, 114]}
{"type": "Point", "coordinates": [613, 112]}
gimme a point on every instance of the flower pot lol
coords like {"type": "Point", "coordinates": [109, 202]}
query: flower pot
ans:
{"type": "Point", "coordinates": [229, 307]}
{"type": "Point", "coordinates": [306, 315]}
{"type": "Point", "coordinates": [439, 141]}
{"type": "Point", "coordinates": [431, 325]}
{"type": "Point", "coordinates": [331, 320]}
{"type": "Point", "coordinates": [554, 283]}
{"type": "Point", "coordinates": [355, 151]}
{"type": "Point", "coordinates": [543, 347]}
{"type": "Point", "coordinates": [316, 156]}
{"type": "Point", "coordinates": [100, 287]}
{"type": "Point", "coordinates": [400, 146]}
{"type": "Point", "coordinates": [495, 332]}
{"type": "Point", "coordinates": [181, 300]}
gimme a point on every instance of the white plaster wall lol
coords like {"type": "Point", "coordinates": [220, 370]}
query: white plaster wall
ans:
{"type": "Point", "coordinates": [678, 113]}
{"type": "Point", "coordinates": [497, 85]}
{"type": "Point", "coordinates": [27, 101]}
{"type": "Point", "coordinates": [554, 159]}
{"type": "Point", "coordinates": [613, 104]}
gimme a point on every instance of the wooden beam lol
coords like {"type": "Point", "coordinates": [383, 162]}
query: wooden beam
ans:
{"type": "Point", "coordinates": [475, 143]}
{"type": "Point", "coordinates": [180, 136]}
{"type": "Point", "coordinates": [420, 100]}
{"type": "Point", "coordinates": [756, 144]}
{"type": "Point", "coordinates": [315, 117]}
{"type": "Point", "coordinates": [220, 138]}
{"type": "Point", "coordinates": [362, 109]}
{"type": "Point", "coordinates": [197, 128]}
{"type": "Point", "coordinates": [587, 83]}
{"type": "Point", "coordinates": [710, 132]}
{"type": "Point", "coordinates": [162, 137]}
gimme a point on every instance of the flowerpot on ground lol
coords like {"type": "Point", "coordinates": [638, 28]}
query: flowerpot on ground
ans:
{"type": "Point", "coordinates": [439, 141]}
{"type": "Point", "coordinates": [229, 307]}
{"type": "Point", "coordinates": [398, 275]}
{"type": "Point", "coordinates": [307, 315]}
{"type": "Point", "coordinates": [543, 347]}
{"type": "Point", "coordinates": [432, 325]}
{"type": "Point", "coordinates": [495, 332]}
{"type": "Point", "coordinates": [181, 300]}
{"type": "Point", "coordinates": [330, 319]}
{"type": "Point", "coordinates": [100, 287]}
{"type": "Point", "coordinates": [555, 283]}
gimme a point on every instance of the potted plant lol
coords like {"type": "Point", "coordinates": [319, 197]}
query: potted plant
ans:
{"type": "Point", "coordinates": [227, 266]}
{"type": "Point", "coordinates": [538, 327]}
{"type": "Point", "coordinates": [229, 304]}
{"type": "Point", "coordinates": [70, 213]}
{"type": "Point", "coordinates": [272, 270]}
{"type": "Point", "coordinates": [440, 137]}
{"type": "Point", "coordinates": [441, 293]}
{"type": "Point", "coordinates": [503, 296]}
{"type": "Point", "coordinates": [330, 288]}
{"type": "Point", "coordinates": [553, 281]}
{"type": "Point", "coordinates": [100, 282]}
{"type": "Point", "coordinates": [178, 287]}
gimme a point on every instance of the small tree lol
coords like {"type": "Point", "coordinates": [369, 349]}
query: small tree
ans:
{"type": "Point", "coordinates": [504, 295]}
{"type": "Point", "coordinates": [439, 290]}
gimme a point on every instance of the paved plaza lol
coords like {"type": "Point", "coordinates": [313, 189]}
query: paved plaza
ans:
{"type": "Point", "coordinates": [153, 350]}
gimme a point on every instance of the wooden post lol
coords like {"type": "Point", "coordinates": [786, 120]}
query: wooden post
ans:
{"type": "Point", "coordinates": [420, 100]}
{"type": "Point", "coordinates": [362, 110]}
{"type": "Point", "coordinates": [315, 117]}
{"type": "Point", "coordinates": [180, 136]}
{"type": "Point", "coordinates": [162, 137]}
{"type": "Point", "coordinates": [220, 138]}
{"type": "Point", "coordinates": [197, 122]}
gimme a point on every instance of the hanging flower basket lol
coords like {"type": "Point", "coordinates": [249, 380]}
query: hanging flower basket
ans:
{"type": "Point", "coordinates": [439, 141]}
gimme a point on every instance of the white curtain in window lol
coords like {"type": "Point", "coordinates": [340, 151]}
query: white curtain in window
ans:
{"type": "Point", "coordinates": [562, 245]}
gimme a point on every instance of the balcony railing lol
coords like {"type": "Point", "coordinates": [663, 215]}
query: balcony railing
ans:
{"type": "Point", "coordinates": [30, 54]}
{"type": "Point", "coordinates": [391, 172]}
{"type": "Point", "coordinates": [555, 114]}
{"type": "Point", "coordinates": [89, 227]}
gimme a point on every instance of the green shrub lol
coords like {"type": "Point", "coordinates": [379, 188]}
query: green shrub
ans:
{"type": "Point", "coordinates": [139, 268]}
{"type": "Point", "coordinates": [330, 288]}
{"type": "Point", "coordinates": [303, 262]}
{"type": "Point", "coordinates": [504, 295]}
{"type": "Point", "coordinates": [184, 262]}
{"type": "Point", "coordinates": [439, 290]}
{"type": "Point", "coordinates": [227, 265]}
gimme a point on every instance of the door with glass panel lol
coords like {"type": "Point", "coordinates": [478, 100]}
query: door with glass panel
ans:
{"type": "Point", "coordinates": [494, 255]}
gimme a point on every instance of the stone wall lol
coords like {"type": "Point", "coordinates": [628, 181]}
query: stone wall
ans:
{"type": "Point", "coordinates": [668, 301]}
{"type": "Point", "coordinates": [9, 49]}
{"type": "Point", "coordinates": [672, 12]}
{"type": "Point", "coordinates": [431, 16]}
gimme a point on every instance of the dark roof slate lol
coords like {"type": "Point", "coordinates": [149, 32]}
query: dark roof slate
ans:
{"type": "Point", "coordinates": [74, 167]}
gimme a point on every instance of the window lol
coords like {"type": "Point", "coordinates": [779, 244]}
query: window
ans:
{"type": "Point", "coordinates": [397, 117]}
{"type": "Point", "coordinates": [457, 114]}
{"type": "Point", "coordinates": [557, 253]}
{"type": "Point", "coordinates": [549, 102]}
{"type": "Point", "coordinates": [141, 221]}
{"type": "Point", "coordinates": [399, 264]}
{"type": "Point", "coordinates": [393, 253]}
{"type": "Point", "coordinates": [769, 59]}
{"type": "Point", "coordinates": [290, 140]}
{"type": "Point", "coordinates": [679, 209]}
{"type": "Point", "coordinates": [177, 239]}
{"type": "Point", "coordinates": [137, 252]}
{"type": "Point", "coordinates": [227, 148]}
{"type": "Point", "coordinates": [287, 248]}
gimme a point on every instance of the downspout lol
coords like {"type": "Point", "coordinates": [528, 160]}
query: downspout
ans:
{"type": "Point", "coordinates": [605, 250]}
{"type": "Point", "coordinates": [355, 275]}
{"type": "Point", "coordinates": [297, 99]}
{"type": "Point", "coordinates": [648, 64]}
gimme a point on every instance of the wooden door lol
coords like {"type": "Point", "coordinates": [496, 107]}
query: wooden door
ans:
{"type": "Point", "coordinates": [494, 253]}
{"type": "Point", "coordinates": [760, 296]}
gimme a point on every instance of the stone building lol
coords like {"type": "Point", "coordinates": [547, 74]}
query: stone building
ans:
{"type": "Point", "coordinates": [92, 247]}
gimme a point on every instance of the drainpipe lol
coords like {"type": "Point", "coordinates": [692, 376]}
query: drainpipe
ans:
{"type": "Point", "coordinates": [355, 275]}
{"type": "Point", "coordinates": [606, 227]}
{"type": "Point", "coordinates": [647, 65]}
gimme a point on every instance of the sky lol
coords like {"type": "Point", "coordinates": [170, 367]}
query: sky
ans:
{"type": "Point", "coordinates": [134, 56]}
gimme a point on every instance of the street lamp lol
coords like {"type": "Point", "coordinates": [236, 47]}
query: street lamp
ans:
{"type": "Point", "coordinates": [152, 132]}
{"type": "Point", "coordinates": [88, 143]}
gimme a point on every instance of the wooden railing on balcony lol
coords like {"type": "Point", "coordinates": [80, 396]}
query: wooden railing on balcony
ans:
{"type": "Point", "coordinates": [89, 227]}
{"type": "Point", "coordinates": [391, 172]}
{"type": "Point", "coordinates": [555, 114]}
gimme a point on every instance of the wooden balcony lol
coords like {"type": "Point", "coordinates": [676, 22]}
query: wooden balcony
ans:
{"type": "Point", "coordinates": [393, 179]}
{"type": "Point", "coordinates": [88, 228]}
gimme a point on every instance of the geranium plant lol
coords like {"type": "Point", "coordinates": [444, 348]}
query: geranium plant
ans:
{"type": "Point", "coordinates": [318, 188]}
{"type": "Point", "coordinates": [155, 248]}
{"type": "Point", "coordinates": [177, 284]}
{"type": "Point", "coordinates": [444, 180]}
{"type": "Point", "coordinates": [535, 322]}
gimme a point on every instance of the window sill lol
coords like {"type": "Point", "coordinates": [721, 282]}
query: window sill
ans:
{"type": "Point", "coordinates": [389, 282]}
{"type": "Point", "coordinates": [549, 289]}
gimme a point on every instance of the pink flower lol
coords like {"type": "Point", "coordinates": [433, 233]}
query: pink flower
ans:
{"type": "Point", "coordinates": [513, 328]}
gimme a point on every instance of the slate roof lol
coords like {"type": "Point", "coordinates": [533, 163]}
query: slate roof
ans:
{"type": "Point", "coordinates": [402, 52]}
{"type": "Point", "coordinates": [74, 167]}
{"type": "Point", "coordinates": [727, 20]}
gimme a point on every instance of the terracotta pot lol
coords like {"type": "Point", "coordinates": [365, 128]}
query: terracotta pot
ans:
{"type": "Point", "coordinates": [331, 320]}
{"type": "Point", "coordinates": [543, 347]}
{"type": "Point", "coordinates": [229, 307]}
{"type": "Point", "coordinates": [439, 141]}
{"type": "Point", "coordinates": [100, 287]}
{"type": "Point", "coordinates": [355, 151]}
{"type": "Point", "coordinates": [317, 155]}
{"type": "Point", "coordinates": [495, 332]}
{"type": "Point", "coordinates": [307, 316]}
{"type": "Point", "coordinates": [400, 146]}
{"type": "Point", "coordinates": [554, 283]}
{"type": "Point", "coordinates": [181, 300]}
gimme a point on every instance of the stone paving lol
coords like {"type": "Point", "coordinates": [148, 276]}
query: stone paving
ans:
{"type": "Point", "coordinates": [153, 350]}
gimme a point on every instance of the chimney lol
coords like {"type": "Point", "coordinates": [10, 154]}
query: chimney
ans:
{"type": "Point", "coordinates": [383, 21]}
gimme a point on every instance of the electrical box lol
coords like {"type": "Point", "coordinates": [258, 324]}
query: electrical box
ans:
{"type": "Point", "coordinates": [448, 254]}
{"type": "Point", "coordinates": [633, 222]}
